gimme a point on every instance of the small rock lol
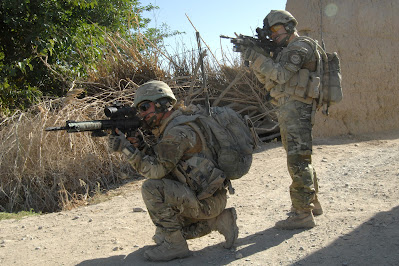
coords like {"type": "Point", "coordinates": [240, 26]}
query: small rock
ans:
{"type": "Point", "coordinates": [76, 217]}
{"type": "Point", "coordinates": [138, 209]}
{"type": "Point", "coordinates": [239, 255]}
{"type": "Point", "coordinates": [90, 220]}
{"type": "Point", "coordinates": [301, 249]}
{"type": "Point", "coordinates": [40, 228]}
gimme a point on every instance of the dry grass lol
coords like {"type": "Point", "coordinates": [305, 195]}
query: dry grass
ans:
{"type": "Point", "coordinates": [49, 171]}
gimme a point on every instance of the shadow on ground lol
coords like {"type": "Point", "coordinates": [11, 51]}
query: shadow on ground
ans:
{"type": "Point", "coordinates": [375, 242]}
{"type": "Point", "coordinates": [212, 255]}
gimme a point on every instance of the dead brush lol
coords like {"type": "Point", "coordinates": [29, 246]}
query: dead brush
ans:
{"type": "Point", "coordinates": [49, 171]}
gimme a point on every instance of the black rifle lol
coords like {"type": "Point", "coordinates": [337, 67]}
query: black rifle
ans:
{"type": "Point", "coordinates": [261, 41]}
{"type": "Point", "coordinates": [120, 116]}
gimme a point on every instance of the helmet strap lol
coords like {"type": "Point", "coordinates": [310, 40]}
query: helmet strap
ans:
{"type": "Point", "coordinates": [284, 42]}
{"type": "Point", "coordinates": [290, 29]}
{"type": "Point", "coordinates": [163, 105]}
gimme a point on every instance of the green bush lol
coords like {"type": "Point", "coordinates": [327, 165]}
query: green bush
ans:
{"type": "Point", "coordinates": [45, 45]}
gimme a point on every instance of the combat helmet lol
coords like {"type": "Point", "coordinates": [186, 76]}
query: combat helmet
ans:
{"type": "Point", "coordinates": [279, 17]}
{"type": "Point", "coordinates": [152, 91]}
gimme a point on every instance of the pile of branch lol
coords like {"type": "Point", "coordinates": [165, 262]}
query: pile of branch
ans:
{"type": "Point", "coordinates": [242, 93]}
{"type": "Point", "coordinates": [126, 67]}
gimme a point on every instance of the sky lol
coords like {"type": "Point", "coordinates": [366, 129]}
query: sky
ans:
{"type": "Point", "coordinates": [211, 19]}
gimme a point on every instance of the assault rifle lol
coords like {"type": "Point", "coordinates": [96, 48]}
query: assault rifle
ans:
{"type": "Point", "coordinates": [120, 116]}
{"type": "Point", "coordinates": [261, 40]}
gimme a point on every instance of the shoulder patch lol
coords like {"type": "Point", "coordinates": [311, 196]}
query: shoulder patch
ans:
{"type": "Point", "coordinates": [296, 57]}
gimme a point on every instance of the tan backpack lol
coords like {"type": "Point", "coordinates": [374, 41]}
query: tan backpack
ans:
{"type": "Point", "coordinates": [329, 71]}
{"type": "Point", "coordinates": [227, 135]}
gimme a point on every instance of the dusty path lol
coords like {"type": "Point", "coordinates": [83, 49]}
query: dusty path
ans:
{"type": "Point", "coordinates": [359, 190]}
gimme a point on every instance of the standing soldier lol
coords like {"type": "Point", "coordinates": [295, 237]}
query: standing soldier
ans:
{"type": "Point", "coordinates": [177, 168]}
{"type": "Point", "coordinates": [285, 76]}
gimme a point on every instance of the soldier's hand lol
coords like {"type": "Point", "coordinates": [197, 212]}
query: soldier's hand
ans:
{"type": "Point", "coordinates": [241, 43]}
{"type": "Point", "coordinates": [249, 54]}
{"type": "Point", "coordinates": [118, 141]}
{"type": "Point", "coordinates": [137, 140]}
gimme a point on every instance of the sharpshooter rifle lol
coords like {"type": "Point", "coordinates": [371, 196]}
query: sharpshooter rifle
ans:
{"type": "Point", "coordinates": [121, 116]}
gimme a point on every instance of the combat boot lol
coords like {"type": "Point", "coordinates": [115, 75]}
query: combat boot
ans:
{"type": "Point", "coordinates": [299, 219]}
{"type": "Point", "coordinates": [159, 236]}
{"type": "Point", "coordinates": [174, 246]}
{"type": "Point", "coordinates": [317, 209]}
{"type": "Point", "coordinates": [226, 224]}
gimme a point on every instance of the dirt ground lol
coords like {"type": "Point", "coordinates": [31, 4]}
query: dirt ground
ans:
{"type": "Point", "coordinates": [358, 190]}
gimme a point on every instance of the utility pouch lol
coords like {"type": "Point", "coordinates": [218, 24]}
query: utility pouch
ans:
{"type": "Point", "coordinates": [215, 182]}
{"type": "Point", "coordinates": [298, 84]}
{"type": "Point", "coordinates": [202, 176]}
{"type": "Point", "coordinates": [301, 89]}
{"type": "Point", "coordinates": [314, 85]}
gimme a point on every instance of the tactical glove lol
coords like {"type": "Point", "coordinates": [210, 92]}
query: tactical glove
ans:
{"type": "Point", "coordinates": [241, 43]}
{"type": "Point", "coordinates": [249, 54]}
{"type": "Point", "coordinates": [118, 141]}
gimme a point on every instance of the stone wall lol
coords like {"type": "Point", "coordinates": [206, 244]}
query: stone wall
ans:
{"type": "Point", "coordinates": [364, 33]}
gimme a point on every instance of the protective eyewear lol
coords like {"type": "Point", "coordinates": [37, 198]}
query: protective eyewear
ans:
{"type": "Point", "coordinates": [276, 28]}
{"type": "Point", "coordinates": [144, 106]}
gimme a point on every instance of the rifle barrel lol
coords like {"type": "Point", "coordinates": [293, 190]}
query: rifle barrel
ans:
{"type": "Point", "coordinates": [226, 37]}
{"type": "Point", "coordinates": [55, 128]}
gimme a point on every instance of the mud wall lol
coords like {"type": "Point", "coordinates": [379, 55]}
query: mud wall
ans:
{"type": "Point", "coordinates": [364, 33]}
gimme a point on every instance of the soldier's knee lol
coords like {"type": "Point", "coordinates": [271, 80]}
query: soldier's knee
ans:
{"type": "Point", "coordinates": [150, 185]}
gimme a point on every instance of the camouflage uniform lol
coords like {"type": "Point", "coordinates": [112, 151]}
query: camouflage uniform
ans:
{"type": "Point", "coordinates": [172, 201]}
{"type": "Point", "coordinates": [281, 77]}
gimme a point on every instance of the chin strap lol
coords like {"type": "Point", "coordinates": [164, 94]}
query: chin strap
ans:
{"type": "Point", "coordinates": [284, 42]}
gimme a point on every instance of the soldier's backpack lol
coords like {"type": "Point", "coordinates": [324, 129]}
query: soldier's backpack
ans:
{"type": "Point", "coordinates": [329, 71]}
{"type": "Point", "coordinates": [331, 89]}
{"type": "Point", "coordinates": [227, 135]}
